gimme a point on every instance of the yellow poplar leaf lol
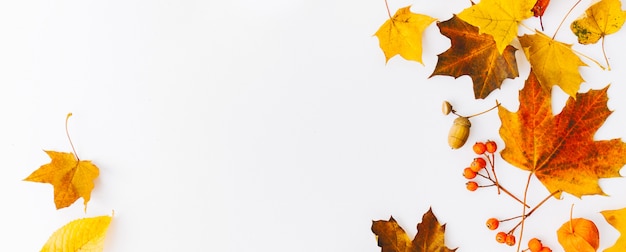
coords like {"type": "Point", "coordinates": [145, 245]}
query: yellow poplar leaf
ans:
{"type": "Point", "coordinates": [617, 219]}
{"type": "Point", "coordinates": [85, 234]}
{"type": "Point", "coordinates": [498, 18]}
{"type": "Point", "coordinates": [402, 34]}
{"type": "Point", "coordinates": [601, 19]}
{"type": "Point", "coordinates": [553, 62]}
{"type": "Point", "coordinates": [71, 178]}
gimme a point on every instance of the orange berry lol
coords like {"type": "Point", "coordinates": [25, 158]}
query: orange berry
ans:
{"type": "Point", "coordinates": [479, 148]}
{"type": "Point", "coordinates": [468, 173]}
{"type": "Point", "coordinates": [493, 223]}
{"type": "Point", "coordinates": [509, 240]}
{"type": "Point", "coordinates": [478, 164]}
{"type": "Point", "coordinates": [534, 245]}
{"type": "Point", "coordinates": [501, 237]}
{"type": "Point", "coordinates": [491, 146]}
{"type": "Point", "coordinates": [472, 186]}
{"type": "Point", "coordinates": [545, 249]}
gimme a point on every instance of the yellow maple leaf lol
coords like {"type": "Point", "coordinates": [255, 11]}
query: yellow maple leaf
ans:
{"type": "Point", "coordinates": [70, 177]}
{"type": "Point", "coordinates": [553, 62]}
{"type": "Point", "coordinates": [85, 234]}
{"type": "Point", "coordinates": [402, 34]}
{"type": "Point", "coordinates": [617, 219]}
{"type": "Point", "coordinates": [602, 18]}
{"type": "Point", "coordinates": [498, 18]}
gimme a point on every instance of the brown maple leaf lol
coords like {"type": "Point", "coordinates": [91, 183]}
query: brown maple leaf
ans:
{"type": "Point", "coordinates": [475, 55]}
{"type": "Point", "coordinates": [430, 235]}
{"type": "Point", "coordinates": [560, 149]}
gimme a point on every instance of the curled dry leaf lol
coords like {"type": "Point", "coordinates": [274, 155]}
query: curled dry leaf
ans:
{"type": "Point", "coordinates": [579, 235]}
{"type": "Point", "coordinates": [402, 34]}
{"type": "Point", "coordinates": [617, 219]}
{"type": "Point", "coordinates": [85, 234]}
{"type": "Point", "coordinates": [430, 236]}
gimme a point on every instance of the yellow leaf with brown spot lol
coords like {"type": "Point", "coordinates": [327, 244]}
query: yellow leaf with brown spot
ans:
{"type": "Point", "coordinates": [85, 234]}
{"type": "Point", "coordinates": [402, 34]}
{"type": "Point", "coordinates": [602, 18]}
{"type": "Point", "coordinates": [71, 178]}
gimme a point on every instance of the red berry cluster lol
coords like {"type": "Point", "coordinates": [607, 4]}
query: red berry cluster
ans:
{"type": "Point", "coordinates": [535, 245]}
{"type": "Point", "coordinates": [480, 163]}
{"type": "Point", "coordinates": [476, 169]}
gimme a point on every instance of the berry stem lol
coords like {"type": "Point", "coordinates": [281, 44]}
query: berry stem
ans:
{"type": "Point", "coordinates": [500, 187]}
{"type": "Point", "coordinates": [68, 136]}
{"type": "Point", "coordinates": [493, 169]}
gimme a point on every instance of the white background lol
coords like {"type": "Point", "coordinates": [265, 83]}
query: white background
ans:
{"type": "Point", "coordinates": [260, 125]}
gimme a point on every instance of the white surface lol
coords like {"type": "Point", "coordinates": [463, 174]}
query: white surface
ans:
{"type": "Point", "coordinates": [258, 125]}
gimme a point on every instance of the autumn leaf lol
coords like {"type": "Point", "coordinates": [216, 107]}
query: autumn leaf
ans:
{"type": "Point", "coordinates": [402, 34]}
{"type": "Point", "coordinates": [560, 149]}
{"type": "Point", "coordinates": [70, 178]}
{"type": "Point", "coordinates": [539, 8]}
{"type": "Point", "coordinates": [498, 18]}
{"type": "Point", "coordinates": [475, 55]}
{"type": "Point", "coordinates": [430, 236]}
{"type": "Point", "coordinates": [553, 62]}
{"type": "Point", "coordinates": [602, 18]}
{"type": "Point", "coordinates": [85, 234]}
{"type": "Point", "coordinates": [617, 219]}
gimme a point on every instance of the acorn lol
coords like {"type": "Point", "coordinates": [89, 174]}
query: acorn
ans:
{"type": "Point", "coordinates": [460, 130]}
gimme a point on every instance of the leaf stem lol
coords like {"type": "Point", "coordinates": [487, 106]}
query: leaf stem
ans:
{"type": "Point", "coordinates": [497, 104]}
{"type": "Point", "coordinates": [608, 65]}
{"type": "Point", "coordinates": [68, 136]}
{"type": "Point", "coordinates": [521, 232]}
{"type": "Point", "coordinates": [563, 20]}
{"type": "Point", "coordinates": [589, 58]}
{"type": "Point", "coordinates": [388, 11]}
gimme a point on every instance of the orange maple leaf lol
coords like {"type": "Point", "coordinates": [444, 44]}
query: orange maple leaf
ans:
{"type": "Point", "coordinates": [559, 149]}
{"type": "Point", "coordinates": [475, 55]}
{"type": "Point", "coordinates": [430, 235]}
{"type": "Point", "coordinates": [71, 178]}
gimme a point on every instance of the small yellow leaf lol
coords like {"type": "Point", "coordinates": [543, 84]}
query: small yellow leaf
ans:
{"type": "Point", "coordinates": [498, 18]}
{"type": "Point", "coordinates": [70, 178]}
{"type": "Point", "coordinates": [601, 19]}
{"type": "Point", "coordinates": [402, 34]}
{"type": "Point", "coordinates": [553, 62]}
{"type": "Point", "coordinates": [85, 234]}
